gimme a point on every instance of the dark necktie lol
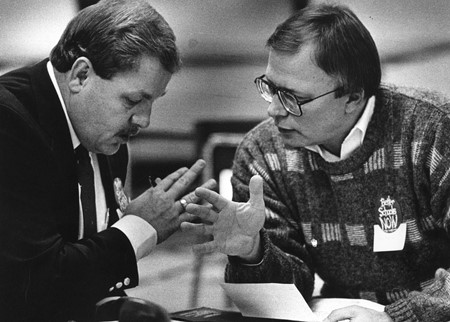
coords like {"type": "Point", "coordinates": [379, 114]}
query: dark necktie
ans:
{"type": "Point", "coordinates": [86, 180]}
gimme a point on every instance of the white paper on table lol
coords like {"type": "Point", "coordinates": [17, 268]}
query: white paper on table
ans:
{"type": "Point", "coordinates": [270, 300]}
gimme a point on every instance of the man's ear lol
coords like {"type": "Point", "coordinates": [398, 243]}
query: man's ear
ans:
{"type": "Point", "coordinates": [355, 102]}
{"type": "Point", "coordinates": [79, 74]}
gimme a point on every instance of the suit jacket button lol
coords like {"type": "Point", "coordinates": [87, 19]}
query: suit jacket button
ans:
{"type": "Point", "coordinates": [119, 285]}
{"type": "Point", "coordinates": [126, 281]}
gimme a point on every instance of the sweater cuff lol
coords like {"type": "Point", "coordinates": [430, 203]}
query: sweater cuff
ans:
{"type": "Point", "coordinates": [264, 240]}
{"type": "Point", "coordinates": [401, 311]}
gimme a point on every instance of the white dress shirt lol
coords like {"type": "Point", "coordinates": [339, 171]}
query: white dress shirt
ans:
{"type": "Point", "coordinates": [353, 140]}
{"type": "Point", "coordinates": [142, 235]}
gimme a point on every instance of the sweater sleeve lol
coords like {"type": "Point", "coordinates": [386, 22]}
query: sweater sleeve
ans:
{"type": "Point", "coordinates": [432, 304]}
{"type": "Point", "coordinates": [285, 259]}
{"type": "Point", "coordinates": [431, 161]}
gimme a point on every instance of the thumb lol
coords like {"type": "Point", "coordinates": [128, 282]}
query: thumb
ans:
{"type": "Point", "coordinates": [256, 192]}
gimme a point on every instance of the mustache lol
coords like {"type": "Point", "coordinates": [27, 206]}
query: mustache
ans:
{"type": "Point", "coordinates": [133, 130]}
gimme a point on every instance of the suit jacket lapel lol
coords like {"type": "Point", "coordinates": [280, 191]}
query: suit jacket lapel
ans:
{"type": "Point", "coordinates": [53, 121]}
{"type": "Point", "coordinates": [51, 116]}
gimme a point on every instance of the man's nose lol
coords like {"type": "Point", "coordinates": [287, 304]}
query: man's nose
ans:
{"type": "Point", "coordinates": [276, 108]}
{"type": "Point", "coordinates": [142, 118]}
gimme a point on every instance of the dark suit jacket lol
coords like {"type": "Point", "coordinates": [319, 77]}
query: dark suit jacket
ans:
{"type": "Point", "coordinates": [45, 272]}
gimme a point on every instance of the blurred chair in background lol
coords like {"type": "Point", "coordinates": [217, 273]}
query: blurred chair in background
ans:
{"type": "Point", "coordinates": [217, 142]}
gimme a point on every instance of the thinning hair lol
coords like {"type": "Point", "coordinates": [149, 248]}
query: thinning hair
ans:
{"type": "Point", "coordinates": [114, 35]}
{"type": "Point", "coordinates": [343, 47]}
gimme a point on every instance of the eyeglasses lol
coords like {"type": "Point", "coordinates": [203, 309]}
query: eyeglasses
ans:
{"type": "Point", "coordinates": [291, 103]}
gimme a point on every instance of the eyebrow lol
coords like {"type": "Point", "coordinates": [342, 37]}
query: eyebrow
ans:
{"type": "Point", "coordinates": [291, 91]}
{"type": "Point", "coordinates": [149, 97]}
{"type": "Point", "coordinates": [144, 94]}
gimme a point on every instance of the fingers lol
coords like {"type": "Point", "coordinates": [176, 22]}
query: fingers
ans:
{"type": "Point", "coordinates": [212, 197]}
{"type": "Point", "coordinates": [205, 248]}
{"type": "Point", "coordinates": [179, 181]}
{"type": "Point", "coordinates": [199, 229]}
{"type": "Point", "coordinates": [186, 217]}
{"type": "Point", "coordinates": [203, 212]}
{"type": "Point", "coordinates": [210, 184]}
{"type": "Point", "coordinates": [168, 181]}
{"type": "Point", "coordinates": [193, 198]}
{"type": "Point", "coordinates": [182, 184]}
{"type": "Point", "coordinates": [341, 314]}
{"type": "Point", "coordinates": [256, 192]}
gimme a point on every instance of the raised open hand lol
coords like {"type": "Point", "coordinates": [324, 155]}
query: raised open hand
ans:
{"type": "Point", "coordinates": [234, 226]}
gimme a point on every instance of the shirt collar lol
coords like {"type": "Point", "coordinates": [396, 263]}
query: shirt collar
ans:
{"type": "Point", "coordinates": [74, 137]}
{"type": "Point", "coordinates": [363, 122]}
{"type": "Point", "coordinates": [353, 140]}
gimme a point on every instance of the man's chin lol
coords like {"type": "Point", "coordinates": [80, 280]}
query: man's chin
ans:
{"type": "Point", "coordinates": [293, 139]}
{"type": "Point", "coordinates": [110, 149]}
{"type": "Point", "coordinates": [292, 144]}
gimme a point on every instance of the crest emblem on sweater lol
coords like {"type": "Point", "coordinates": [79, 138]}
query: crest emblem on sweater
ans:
{"type": "Point", "coordinates": [389, 215]}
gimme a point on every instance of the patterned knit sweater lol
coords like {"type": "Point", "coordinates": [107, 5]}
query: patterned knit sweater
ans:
{"type": "Point", "coordinates": [320, 216]}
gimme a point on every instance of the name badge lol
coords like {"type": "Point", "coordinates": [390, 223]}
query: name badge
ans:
{"type": "Point", "coordinates": [389, 234]}
{"type": "Point", "coordinates": [389, 242]}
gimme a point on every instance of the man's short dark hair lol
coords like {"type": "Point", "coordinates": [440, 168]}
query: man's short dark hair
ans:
{"type": "Point", "coordinates": [344, 48]}
{"type": "Point", "coordinates": [114, 35]}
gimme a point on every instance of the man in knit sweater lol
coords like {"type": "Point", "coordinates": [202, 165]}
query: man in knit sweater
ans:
{"type": "Point", "coordinates": [348, 179]}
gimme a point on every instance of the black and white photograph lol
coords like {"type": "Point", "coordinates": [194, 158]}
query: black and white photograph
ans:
{"type": "Point", "coordinates": [226, 161]}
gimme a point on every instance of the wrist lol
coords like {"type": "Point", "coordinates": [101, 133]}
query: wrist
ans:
{"type": "Point", "coordinates": [255, 254]}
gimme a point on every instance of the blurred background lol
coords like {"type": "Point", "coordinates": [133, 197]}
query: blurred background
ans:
{"type": "Point", "coordinates": [212, 101]}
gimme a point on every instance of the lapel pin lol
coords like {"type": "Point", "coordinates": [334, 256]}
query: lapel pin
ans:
{"type": "Point", "coordinates": [119, 193]}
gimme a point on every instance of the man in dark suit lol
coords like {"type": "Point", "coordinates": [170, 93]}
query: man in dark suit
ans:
{"type": "Point", "coordinates": [112, 62]}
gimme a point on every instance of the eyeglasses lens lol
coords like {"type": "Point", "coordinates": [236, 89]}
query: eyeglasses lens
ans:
{"type": "Point", "coordinates": [290, 103]}
{"type": "Point", "coordinates": [266, 90]}
{"type": "Point", "coordinates": [288, 100]}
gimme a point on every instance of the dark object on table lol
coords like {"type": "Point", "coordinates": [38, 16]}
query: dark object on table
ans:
{"type": "Point", "coordinates": [207, 314]}
{"type": "Point", "coordinates": [130, 309]}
